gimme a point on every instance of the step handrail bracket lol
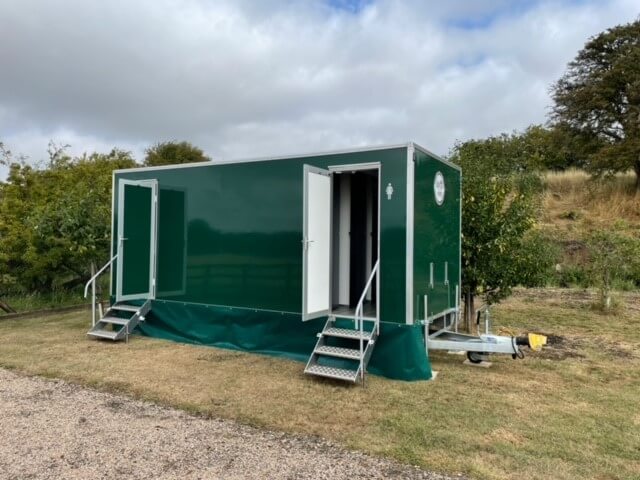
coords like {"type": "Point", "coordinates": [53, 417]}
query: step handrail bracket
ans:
{"type": "Point", "coordinates": [359, 317]}
{"type": "Point", "coordinates": [92, 283]}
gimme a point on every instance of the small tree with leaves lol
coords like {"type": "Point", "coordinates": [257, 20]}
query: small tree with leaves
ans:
{"type": "Point", "coordinates": [613, 256]}
{"type": "Point", "coordinates": [172, 153]}
{"type": "Point", "coordinates": [500, 198]}
{"type": "Point", "coordinates": [55, 220]}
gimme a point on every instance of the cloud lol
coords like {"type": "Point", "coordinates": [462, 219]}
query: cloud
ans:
{"type": "Point", "coordinates": [249, 78]}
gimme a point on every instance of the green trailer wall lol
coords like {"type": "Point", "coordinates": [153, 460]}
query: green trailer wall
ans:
{"type": "Point", "coordinates": [243, 224]}
{"type": "Point", "coordinates": [436, 236]}
{"type": "Point", "coordinates": [229, 254]}
{"type": "Point", "coordinates": [229, 258]}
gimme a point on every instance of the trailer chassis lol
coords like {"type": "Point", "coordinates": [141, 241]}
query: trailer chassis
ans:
{"type": "Point", "coordinates": [441, 333]}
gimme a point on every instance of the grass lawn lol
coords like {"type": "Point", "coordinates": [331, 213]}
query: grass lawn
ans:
{"type": "Point", "coordinates": [572, 411]}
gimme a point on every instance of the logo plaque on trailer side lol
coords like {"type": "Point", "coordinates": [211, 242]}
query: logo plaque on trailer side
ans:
{"type": "Point", "coordinates": [438, 188]}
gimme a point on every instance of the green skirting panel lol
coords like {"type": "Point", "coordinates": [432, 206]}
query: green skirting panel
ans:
{"type": "Point", "coordinates": [399, 352]}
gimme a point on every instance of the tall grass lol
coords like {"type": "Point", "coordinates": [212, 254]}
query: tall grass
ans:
{"type": "Point", "coordinates": [40, 301]}
{"type": "Point", "coordinates": [22, 301]}
{"type": "Point", "coordinates": [573, 194]}
{"type": "Point", "coordinates": [575, 206]}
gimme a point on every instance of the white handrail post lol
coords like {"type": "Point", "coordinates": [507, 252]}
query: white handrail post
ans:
{"type": "Point", "coordinates": [361, 343]}
{"type": "Point", "coordinates": [93, 303]}
{"type": "Point", "coordinates": [92, 282]}
{"type": "Point", "coordinates": [457, 314]}
{"type": "Point", "coordinates": [359, 318]}
{"type": "Point", "coordinates": [93, 295]}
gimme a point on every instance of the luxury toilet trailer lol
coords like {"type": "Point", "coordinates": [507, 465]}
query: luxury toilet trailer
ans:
{"type": "Point", "coordinates": [282, 256]}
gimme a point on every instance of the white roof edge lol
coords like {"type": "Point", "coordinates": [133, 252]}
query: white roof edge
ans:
{"type": "Point", "coordinates": [273, 157]}
{"type": "Point", "coordinates": [437, 157]}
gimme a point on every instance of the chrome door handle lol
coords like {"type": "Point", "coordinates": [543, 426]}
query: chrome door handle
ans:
{"type": "Point", "coordinates": [305, 244]}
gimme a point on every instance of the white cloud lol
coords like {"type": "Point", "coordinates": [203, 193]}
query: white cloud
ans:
{"type": "Point", "coordinates": [279, 76]}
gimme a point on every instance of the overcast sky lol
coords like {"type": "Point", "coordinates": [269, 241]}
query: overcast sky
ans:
{"type": "Point", "coordinates": [246, 78]}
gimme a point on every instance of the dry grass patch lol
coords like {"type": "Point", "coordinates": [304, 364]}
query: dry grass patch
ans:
{"type": "Point", "coordinates": [573, 417]}
{"type": "Point", "coordinates": [573, 199]}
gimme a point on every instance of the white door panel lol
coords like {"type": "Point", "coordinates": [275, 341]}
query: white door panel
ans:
{"type": "Point", "coordinates": [316, 253]}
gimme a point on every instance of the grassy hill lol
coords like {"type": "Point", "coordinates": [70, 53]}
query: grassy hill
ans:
{"type": "Point", "coordinates": [574, 206]}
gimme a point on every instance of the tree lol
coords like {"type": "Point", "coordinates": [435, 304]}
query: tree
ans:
{"type": "Point", "coordinates": [172, 153]}
{"type": "Point", "coordinates": [546, 148]}
{"type": "Point", "coordinates": [598, 100]}
{"type": "Point", "coordinates": [534, 149]}
{"type": "Point", "coordinates": [500, 193]}
{"type": "Point", "coordinates": [55, 221]}
{"type": "Point", "coordinates": [614, 256]}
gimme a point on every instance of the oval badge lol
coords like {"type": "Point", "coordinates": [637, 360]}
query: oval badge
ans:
{"type": "Point", "coordinates": [438, 188]}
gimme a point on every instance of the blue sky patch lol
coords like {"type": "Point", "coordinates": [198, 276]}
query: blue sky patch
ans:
{"type": "Point", "coordinates": [351, 6]}
{"type": "Point", "coordinates": [484, 20]}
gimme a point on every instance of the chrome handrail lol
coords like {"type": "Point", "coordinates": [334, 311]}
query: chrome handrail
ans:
{"type": "Point", "coordinates": [359, 317]}
{"type": "Point", "coordinates": [92, 282]}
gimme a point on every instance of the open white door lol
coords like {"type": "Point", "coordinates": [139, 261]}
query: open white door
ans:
{"type": "Point", "coordinates": [137, 216]}
{"type": "Point", "coordinates": [316, 243]}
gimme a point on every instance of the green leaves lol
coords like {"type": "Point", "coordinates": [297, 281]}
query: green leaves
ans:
{"type": "Point", "coordinates": [614, 255]}
{"type": "Point", "coordinates": [500, 201]}
{"type": "Point", "coordinates": [172, 153]}
{"type": "Point", "coordinates": [598, 100]}
{"type": "Point", "coordinates": [55, 222]}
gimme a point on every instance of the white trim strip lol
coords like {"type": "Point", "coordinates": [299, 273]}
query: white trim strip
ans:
{"type": "Point", "coordinates": [409, 229]}
{"type": "Point", "coordinates": [437, 157]}
{"type": "Point", "coordinates": [264, 159]}
{"type": "Point", "coordinates": [353, 167]}
{"type": "Point", "coordinates": [113, 226]}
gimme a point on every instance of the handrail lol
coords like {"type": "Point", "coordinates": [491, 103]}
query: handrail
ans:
{"type": "Point", "coordinates": [92, 279]}
{"type": "Point", "coordinates": [92, 282]}
{"type": "Point", "coordinates": [360, 317]}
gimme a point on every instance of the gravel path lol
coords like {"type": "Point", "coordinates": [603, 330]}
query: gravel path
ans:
{"type": "Point", "coordinates": [53, 429]}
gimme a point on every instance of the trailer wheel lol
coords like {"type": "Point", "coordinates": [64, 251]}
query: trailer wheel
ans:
{"type": "Point", "coordinates": [475, 357]}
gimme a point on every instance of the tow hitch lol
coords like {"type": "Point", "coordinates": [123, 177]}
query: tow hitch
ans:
{"type": "Point", "coordinates": [478, 347]}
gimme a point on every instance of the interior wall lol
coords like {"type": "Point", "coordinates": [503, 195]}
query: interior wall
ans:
{"type": "Point", "coordinates": [341, 247]}
{"type": "Point", "coordinates": [355, 232]}
{"type": "Point", "coordinates": [358, 237]}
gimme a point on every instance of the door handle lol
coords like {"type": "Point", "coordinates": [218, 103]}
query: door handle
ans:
{"type": "Point", "coordinates": [305, 244]}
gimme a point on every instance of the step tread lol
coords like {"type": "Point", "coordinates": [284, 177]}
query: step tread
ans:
{"type": "Point", "coordinates": [341, 352]}
{"type": "Point", "coordinates": [115, 320]}
{"type": "Point", "coordinates": [103, 334]}
{"type": "Point", "coordinates": [333, 372]}
{"type": "Point", "coordinates": [346, 333]}
{"type": "Point", "coordinates": [125, 307]}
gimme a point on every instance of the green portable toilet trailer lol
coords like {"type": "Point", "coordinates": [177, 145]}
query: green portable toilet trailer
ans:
{"type": "Point", "coordinates": [338, 259]}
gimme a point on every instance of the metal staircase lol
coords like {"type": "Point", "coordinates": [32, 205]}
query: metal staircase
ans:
{"type": "Point", "coordinates": [341, 352]}
{"type": "Point", "coordinates": [338, 353]}
{"type": "Point", "coordinates": [119, 321]}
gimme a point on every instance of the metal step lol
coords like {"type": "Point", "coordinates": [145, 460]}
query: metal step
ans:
{"type": "Point", "coordinates": [339, 352]}
{"type": "Point", "coordinates": [124, 307]}
{"type": "Point", "coordinates": [110, 334]}
{"type": "Point", "coordinates": [115, 320]}
{"type": "Point", "coordinates": [346, 333]}
{"type": "Point", "coordinates": [126, 325]}
{"type": "Point", "coordinates": [322, 350]}
{"type": "Point", "coordinates": [333, 372]}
